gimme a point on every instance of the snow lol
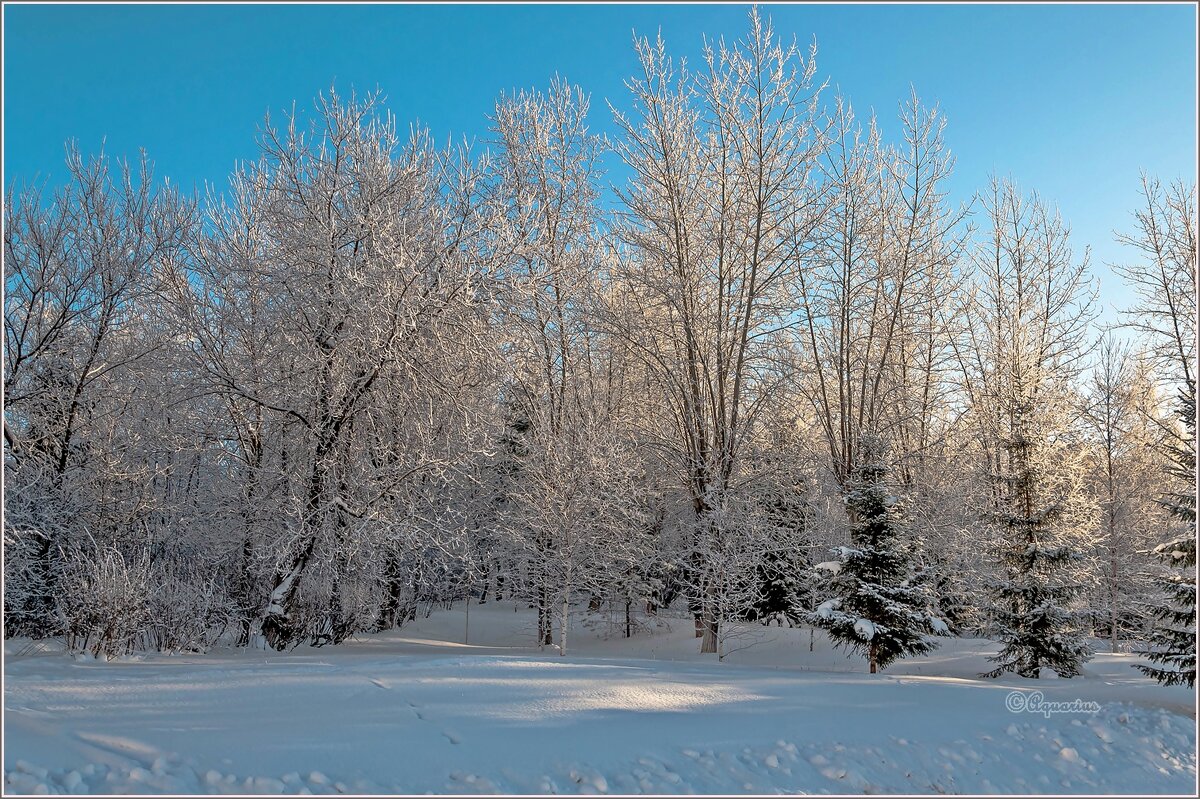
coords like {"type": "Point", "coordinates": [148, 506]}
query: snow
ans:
{"type": "Point", "coordinates": [865, 629]}
{"type": "Point", "coordinates": [417, 711]}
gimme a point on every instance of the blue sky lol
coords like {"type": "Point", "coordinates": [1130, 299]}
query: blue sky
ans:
{"type": "Point", "coordinates": [1072, 100]}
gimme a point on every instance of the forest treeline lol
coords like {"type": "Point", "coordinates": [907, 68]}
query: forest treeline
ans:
{"type": "Point", "coordinates": [773, 372]}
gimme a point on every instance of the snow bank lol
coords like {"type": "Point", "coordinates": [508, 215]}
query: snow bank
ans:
{"type": "Point", "coordinates": [416, 711]}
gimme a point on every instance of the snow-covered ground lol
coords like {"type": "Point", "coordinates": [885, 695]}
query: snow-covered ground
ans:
{"type": "Point", "coordinates": [418, 711]}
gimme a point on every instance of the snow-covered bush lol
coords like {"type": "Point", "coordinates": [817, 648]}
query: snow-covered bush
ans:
{"type": "Point", "coordinates": [25, 584]}
{"type": "Point", "coordinates": [186, 613]}
{"type": "Point", "coordinates": [104, 600]}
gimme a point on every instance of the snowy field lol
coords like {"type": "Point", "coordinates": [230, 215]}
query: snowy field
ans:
{"type": "Point", "coordinates": [417, 711]}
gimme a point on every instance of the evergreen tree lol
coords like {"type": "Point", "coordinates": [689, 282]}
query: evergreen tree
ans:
{"type": "Point", "coordinates": [1173, 642]}
{"type": "Point", "coordinates": [880, 604]}
{"type": "Point", "coordinates": [1032, 619]}
{"type": "Point", "coordinates": [951, 583]}
{"type": "Point", "coordinates": [783, 591]}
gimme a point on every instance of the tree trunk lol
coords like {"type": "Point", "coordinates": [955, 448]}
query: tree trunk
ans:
{"type": "Point", "coordinates": [39, 607]}
{"type": "Point", "coordinates": [245, 594]}
{"type": "Point", "coordinates": [1114, 615]}
{"type": "Point", "coordinates": [390, 614]}
{"type": "Point", "coordinates": [487, 582]}
{"type": "Point", "coordinates": [562, 635]}
{"type": "Point", "coordinates": [544, 627]}
{"type": "Point", "coordinates": [277, 626]}
{"type": "Point", "coordinates": [708, 642]}
{"type": "Point", "coordinates": [874, 654]}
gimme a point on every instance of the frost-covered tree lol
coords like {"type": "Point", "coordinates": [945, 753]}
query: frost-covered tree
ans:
{"type": "Point", "coordinates": [90, 380]}
{"type": "Point", "coordinates": [880, 604]}
{"type": "Point", "coordinates": [499, 481]}
{"type": "Point", "coordinates": [1164, 276]}
{"type": "Point", "coordinates": [873, 296]}
{"type": "Point", "coordinates": [543, 238]}
{"type": "Point", "coordinates": [575, 521]}
{"type": "Point", "coordinates": [720, 203]}
{"type": "Point", "coordinates": [780, 504]}
{"type": "Point", "coordinates": [333, 303]}
{"type": "Point", "coordinates": [1124, 467]}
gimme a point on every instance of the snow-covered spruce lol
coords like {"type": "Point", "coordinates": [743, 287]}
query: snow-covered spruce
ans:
{"type": "Point", "coordinates": [880, 604]}
{"type": "Point", "coordinates": [1172, 649]}
{"type": "Point", "coordinates": [1031, 616]}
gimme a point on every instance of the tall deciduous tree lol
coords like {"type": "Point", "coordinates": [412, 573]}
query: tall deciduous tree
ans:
{"type": "Point", "coordinates": [343, 269]}
{"type": "Point", "coordinates": [720, 205]}
{"type": "Point", "coordinates": [1125, 467]}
